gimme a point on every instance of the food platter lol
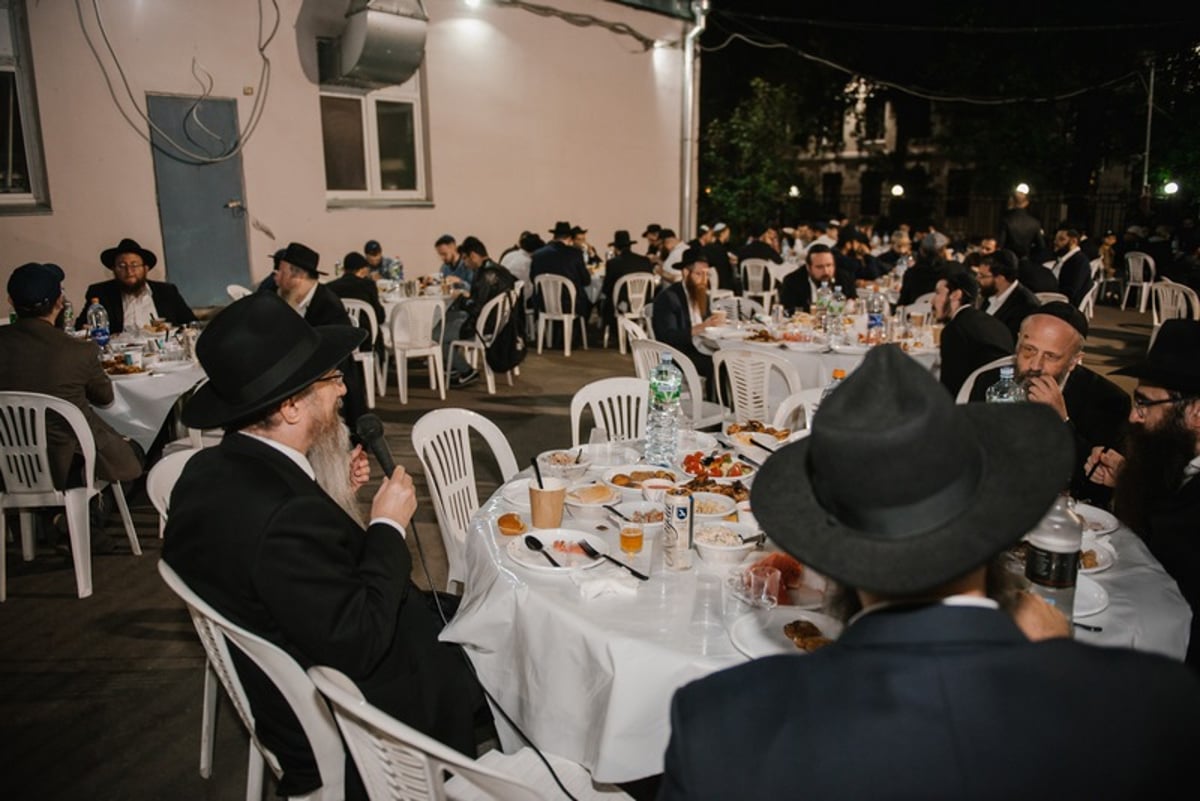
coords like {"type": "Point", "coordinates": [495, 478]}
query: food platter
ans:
{"type": "Point", "coordinates": [723, 460]}
{"type": "Point", "coordinates": [760, 633]}
{"type": "Point", "coordinates": [530, 559]}
{"type": "Point", "coordinates": [1096, 520]}
{"type": "Point", "coordinates": [626, 480]}
{"type": "Point", "coordinates": [1104, 554]}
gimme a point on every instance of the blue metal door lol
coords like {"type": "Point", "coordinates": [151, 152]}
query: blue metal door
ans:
{"type": "Point", "coordinates": [200, 195]}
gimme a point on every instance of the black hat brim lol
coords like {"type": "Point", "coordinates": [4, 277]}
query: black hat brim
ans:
{"type": "Point", "coordinates": [207, 409]}
{"type": "Point", "coordinates": [1027, 457]}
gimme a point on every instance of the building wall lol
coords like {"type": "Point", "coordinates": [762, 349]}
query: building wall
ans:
{"type": "Point", "coordinates": [531, 120]}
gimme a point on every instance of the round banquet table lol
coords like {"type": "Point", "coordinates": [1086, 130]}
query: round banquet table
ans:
{"type": "Point", "coordinates": [591, 678]}
{"type": "Point", "coordinates": [142, 402]}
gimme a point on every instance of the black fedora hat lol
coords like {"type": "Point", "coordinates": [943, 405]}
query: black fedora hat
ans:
{"type": "Point", "coordinates": [1174, 361]}
{"type": "Point", "coordinates": [975, 478]}
{"type": "Point", "coordinates": [621, 239]}
{"type": "Point", "coordinates": [108, 257]}
{"type": "Point", "coordinates": [561, 228]}
{"type": "Point", "coordinates": [302, 256]}
{"type": "Point", "coordinates": [257, 352]}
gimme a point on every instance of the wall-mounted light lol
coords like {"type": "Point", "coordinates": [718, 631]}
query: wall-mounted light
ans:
{"type": "Point", "coordinates": [897, 190]}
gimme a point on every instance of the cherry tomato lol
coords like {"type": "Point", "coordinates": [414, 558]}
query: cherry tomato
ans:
{"type": "Point", "coordinates": [735, 470]}
{"type": "Point", "coordinates": [715, 471]}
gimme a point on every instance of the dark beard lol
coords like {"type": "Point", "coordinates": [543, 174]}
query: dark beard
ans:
{"type": "Point", "coordinates": [1154, 462]}
{"type": "Point", "coordinates": [135, 289]}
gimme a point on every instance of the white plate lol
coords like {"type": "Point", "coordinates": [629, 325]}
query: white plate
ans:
{"type": "Point", "coordinates": [761, 634]}
{"type": "Point", "coordinates": [1104, 555]}
{"type": "Point", "coordinates": [520, 553]}
{"type": "Point", "coordinates": [632, 491]}
{"type": "Point", "coordinates": [628, 508]}
{"type": "Point", "coordinates": [854, 349]}
{"type": "Point", "coordinates": [748, 470]}
{"type": "Point", "coordinates": [688, 441]}
{"type": "Point", "coordinates": [171, 367]}
{"type": "Point", "coordinates": [1090, 597]}
{"type": "Point", "coordinates": [727, 332]}
{"type": "Point", "coordinates": [613, 497]}
{"type": "Point", "coordinates": [807, 347]}
{"type": "Point", "coordinates": [516, 494]}
{"type": "Point", "coordinates": [1095, 519]}
{"type": "Point", "coordinates": [128, 376]}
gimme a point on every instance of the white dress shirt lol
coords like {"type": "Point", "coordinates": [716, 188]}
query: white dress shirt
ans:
{"type": "Point", "coordinates": [138, 309]}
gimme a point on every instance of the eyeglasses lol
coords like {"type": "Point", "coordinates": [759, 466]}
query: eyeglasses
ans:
{"type": "Point", "coordinates": [1141, 403]}
{"type": "Point", "coordinates": [337, 377]}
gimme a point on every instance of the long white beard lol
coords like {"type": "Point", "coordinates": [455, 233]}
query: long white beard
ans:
{"type": "Point", "coordinates": [330, 460]}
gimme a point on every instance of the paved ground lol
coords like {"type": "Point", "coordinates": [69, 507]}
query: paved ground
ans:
{"type": "Point", "coordinates": [100, 698]}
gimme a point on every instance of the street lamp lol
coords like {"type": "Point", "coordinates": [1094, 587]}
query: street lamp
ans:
{"type": "Point", "coordinates": [1023, 188]}
{"type": "Point", "coordinates": [1171, 188]}
{"type": "Point", "coordinates": [897, 190]}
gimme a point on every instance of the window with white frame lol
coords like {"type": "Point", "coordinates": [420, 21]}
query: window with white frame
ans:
{"type": "Point", "coordinates": [375, 143]}
{"type": "Point", "coordinates": [22, 183]}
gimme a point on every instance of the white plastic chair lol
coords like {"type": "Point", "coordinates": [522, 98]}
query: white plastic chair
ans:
{"type": "Point", "coordinates": [715, 290]}
{"type": "Point", "coordinates": [796, 410]}
{"type": "Point", "coordinates": [968, 385]}
{"type": "Point", "coordinates": [161, 480]}
{"type": "Point", "coordinates": [1088, 304]}
{"type": "Point", "coordinates": [758, 282]}
{"type": "Point", "coordinates": [1169, 301]}
{"type": "Point", "coordinates": [25, 470]}
{"type": "Point", "coordinates": [216, 633]}
{"type": "Point", "coordinates": [399, 763]}
{"type": "Point", "coordinates": [631, 293]}
{"type": "Point", "coordinates": [442, 440]}
{"type": "Point", "coordinates": [632, 330]}
{"type": "Point", "coordinates": [1051, 297]}
{"type": "Point", "coordinates": [551, 289]}
{"type": "Point", "coordinates": [237, 291]}
{"type": "Point", "coordinates": [492, 317]}
{"type": "Point", "coordinates": [412, 325]}
{"type": "Point", "coordinates": [1140, 269]}
{"type": "Point", "coordinates": [922, 305]}
{"type": "Point", "coordinates": [363, 315]}
{"type": "Point", "coordinates": [702, 414]}
{"type": "Point", "coordinates": [749, 371]}
{"type": "Point", "coordinates": [739, 308]}
{"type": "Point", "coordinates": [619, 405]}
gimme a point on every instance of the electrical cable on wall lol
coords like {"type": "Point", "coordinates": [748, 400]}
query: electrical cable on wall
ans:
{"type": "Point", "coordinates": [183, 153]}
{"type": "Point", "coordinates": [582, 21]}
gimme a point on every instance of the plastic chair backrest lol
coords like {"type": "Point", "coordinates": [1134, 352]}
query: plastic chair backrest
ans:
{"type": "Point", "coordinates": [634, 292]}
{"type": "Point", "coordinates": [216, 633]}
{"type": "Point", "coordinates": [551, 288]}
{"type": "Point", "coordinates": [24, 451]}
{"type": "Point", "coordinates": [619, 405]}
{"type": "Point", "coordinates": [1140, 266]}
{"type": "Point", "coordinates": [1097, 266]}
{"type": "Point", "coordinates": [756, 275]}
{"type": "Point", "coordinates": [363, 316]}
{"type": "Point", "coordinates": [633, 331]}
{"type": "Point", "coordinates": [397, 761]}
{"type": "Point", "coordinates": [646, 356]}
{"type": "Point", "coordinates": [162, 477]}
{"type": "Point", "coordinates": [494, 315]}
{"type": "Point", "coordinates": [413, 323]}
{"type": "Point", "coordinates": [1051, 297]}
{"type": "Point", "coordinates": [442, 440]}
{"type": "Point", "coordinates": [1170, 301]}
{"type": "Point", "coordinates": [922, 305]}
{"type": "Point", "coordinates": [968, 385]}
{"type": "Point", "coordinates": [749, 371]}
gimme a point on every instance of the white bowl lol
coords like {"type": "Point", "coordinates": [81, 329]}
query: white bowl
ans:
{"type": "Point", "coordinates": [609, 454]}
{"type": "Point", "coordinates": [632, 490]}
{"type": "Point", "coordinates": [630, 508]}
{"type": "Point", "coordinates": [727, 506]}
{"type": "Point", "coordinates": [571, 471]}
{"type": "Point", "coordinates": [713, 553]}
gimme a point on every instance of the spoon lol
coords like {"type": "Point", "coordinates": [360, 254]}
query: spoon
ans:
{"type": "Point", "coordinates": [534, 544]}
{"type": "Point", "coordinates": [616, 512]}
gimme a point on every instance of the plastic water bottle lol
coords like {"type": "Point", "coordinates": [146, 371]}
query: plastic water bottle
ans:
{"type": "Point", "coordinates": [1052, 556]}
{"type": "Point", "coordinates": [68, 316]}
{"type": "Point", "coordinates": [876, 316]}
{"type": "Point", "coordinates": [1006, 390]}
{"type": "Point", "coordinates": [662, 425]}
{"type": "Point", "coordinates": [97, 319]}
{"type": "Point", "coordinates": [838, 376]}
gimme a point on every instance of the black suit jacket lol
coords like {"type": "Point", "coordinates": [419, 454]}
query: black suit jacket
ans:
{"type": "Point", "coordinates": [355, 288]}
{"type": "Point", "coordinates": [261, 542]}
{"type": "Point", "coordinates": [1016, 307]}
{"type": "Point", "coordinates": [1021, 233]}
{"type": "Point", "coordinates": [920, 279]}
{"type": "Point", "coordinates": [673, 325]}
{"type": "Point", "coordinates": [557, 258]}
{"type": "Point", "coordinates": [619, 266]}
{"type": "Point", "coordinates": [1098, 409]}
{"type": "Point", "coordinates": [1075, 277]}
{"type": "Point", "coordinates": [1173, 536]}
{"type": "Point", "coordinates": [168, 304]}
{"type": "Point", "coordinates": [937, 702]}
{"type": "Point", "coordinates": [717, 254]}
{"type": "Point", "coordinates": [795, 292]}
{"type": "Point", "coordinates": [1036, 277]}
{"type": "Point", "coordinates": [970, 340]}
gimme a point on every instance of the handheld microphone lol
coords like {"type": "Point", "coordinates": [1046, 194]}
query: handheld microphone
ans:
{"type": "Point", "coordinates": [370, 430]}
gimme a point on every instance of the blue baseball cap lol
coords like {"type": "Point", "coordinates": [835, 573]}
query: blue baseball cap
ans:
{"type": "Point", "coordinates": [32, 284]}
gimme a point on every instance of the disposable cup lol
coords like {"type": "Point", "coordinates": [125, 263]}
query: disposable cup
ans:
{"type": "Point", "coordinates": [546, 502]}
{"type": "Point", "coordinates": [763, 582]}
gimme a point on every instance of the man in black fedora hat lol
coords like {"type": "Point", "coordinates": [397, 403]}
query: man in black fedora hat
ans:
{"type": "Point", "coordinates": [1049, 363]}
{"type": "Point", "coordinates": [1153, 473]}
{"type": "Point", "coordinates": [931, 690]}
{"type": "Point", "coordinates": [624, 263]}
{"type": "Point", "coordinates": [132, 300]}
{"type": "Point", "coordinates": [297, 283]}
{"type": "Point", "coordinates": [274, 542]}
{"type": "Point", "coordinates": [682, 312]}
{"type": "Point", "coordinates": [561, 257]}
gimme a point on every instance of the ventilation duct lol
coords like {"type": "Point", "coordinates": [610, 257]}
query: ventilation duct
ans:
{"type": "Point", "coordinates": [382, 44]}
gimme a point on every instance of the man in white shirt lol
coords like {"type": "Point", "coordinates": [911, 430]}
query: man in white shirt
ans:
{"type": "Point", "coordinates": [674, 248]}
{"type": "Point", "coordinates": [1005, 298]}
{"type": "Point", "coordinates": [130, 298]}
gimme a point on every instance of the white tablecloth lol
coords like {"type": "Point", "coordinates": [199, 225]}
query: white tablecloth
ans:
{"type": "Point", "coordinates": [592, 680]}
{"type": "Point", "coordinates": [816, 367]}
{"type": "Point", "coordinates": [141, 403]}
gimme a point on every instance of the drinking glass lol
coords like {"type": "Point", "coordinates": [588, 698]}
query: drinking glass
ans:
{"type": "Point", "coordinates": [632, 538]}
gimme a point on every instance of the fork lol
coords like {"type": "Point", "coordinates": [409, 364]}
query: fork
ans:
{"type": "Point", "coordinates": [591, 551]}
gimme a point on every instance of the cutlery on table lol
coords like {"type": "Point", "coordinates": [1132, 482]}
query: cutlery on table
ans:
{"type": "Point", "coordinates": [748, 460]}
{"type": "Point", "coordinates": [758, 538]}
{"type": "Point", "coordinates": [534, 544]}
{"type": "Point", "coordinates": [592, 552]}
{"type": "Point", "coordinates": [1087, 627]}
{"type": "Point", "coordinates": [616, 512]}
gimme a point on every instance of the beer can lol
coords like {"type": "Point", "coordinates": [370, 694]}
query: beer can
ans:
{"type": "Point", "coordinates": [678, 521]}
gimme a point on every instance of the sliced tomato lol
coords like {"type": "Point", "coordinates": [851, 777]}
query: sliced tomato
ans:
{"type": "Point", "coordinates": [735, 470]}
{"type": "Point", "coordinates": [716, 471]}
